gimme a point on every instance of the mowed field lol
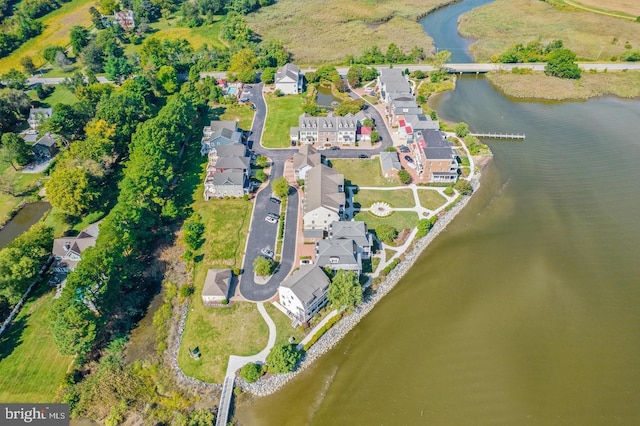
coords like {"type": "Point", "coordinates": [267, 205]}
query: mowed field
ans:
{"type": "Point", "coordinates": [631, 7]}
{"type": "Point", "coordinates": [591, 36]}
{"type": "Point", "coordinates": [321, 31]}
{"type": "Point", "coordinates": [57, 27]}
{"type": "Point", "coordinates": [31, 368]}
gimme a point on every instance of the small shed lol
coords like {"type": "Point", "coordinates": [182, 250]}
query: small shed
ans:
{"type": "Point", "coordinates": [216, 286]}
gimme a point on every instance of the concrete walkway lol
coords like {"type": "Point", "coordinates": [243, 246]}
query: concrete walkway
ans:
{"type": "Point", "coordinates": [315, 329]}
{"type": "Point", "coordinates": [422, 212]}
{"type": "Point", "coordinates": [237, 362]}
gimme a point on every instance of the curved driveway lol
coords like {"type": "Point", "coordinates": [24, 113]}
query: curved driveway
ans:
{"type": "Point", "coordinates": [262, 234]}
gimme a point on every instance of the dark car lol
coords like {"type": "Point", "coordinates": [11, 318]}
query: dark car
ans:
{"type": "Point", "coordinates": [244, 99]}
{"type": "Point", "coordinates": [409, 159]}
{"type": "Point", "coordinates": [274, 215]}
{"type": "Point", "coordinates": [404, 148]}
{"type": "Point", "coordinates": [335, 148]}
{"type": "Point", "coordinates": [363, 156]}
{"type": "Point", "coordinates": [253, 107]}
{"type": "Point", "coordinates": [274, 200]}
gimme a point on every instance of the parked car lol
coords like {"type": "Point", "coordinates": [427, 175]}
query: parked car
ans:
{"type": "Point", "coordinates": [274, 215]}
{"type": "Point", "coordinates": [408, 158]}
{"type": "Point", "coordinates": [335, 148]}
{"type": "Point", "coordinates": [404, 148]}
{"type": "Point", "coordinates": [412, 165]}
{"type": "Point", "coordinates": [306, 262]}
{"type": "Point", "coordinates": [249, 87]}
{"type": "Point", "coordinates": [244, 99]}
{"type": "Point", "coordinates": [363, 156]}
{"type": "Point", "coordinates": [271, 219]}
{"type": "Point", "coordinates": [267, 252]}
{"type": "Point", "coordinates": [253, 107]}
{"type": "Point", "coordinates": [275, 200]}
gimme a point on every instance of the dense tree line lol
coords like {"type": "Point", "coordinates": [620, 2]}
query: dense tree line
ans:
{"type": "Point", "coordinates": [393, 55]}
{"type": "Point", "coordinates": [110, 277]}
{"type": "Point", "coordinates": [533, 51]}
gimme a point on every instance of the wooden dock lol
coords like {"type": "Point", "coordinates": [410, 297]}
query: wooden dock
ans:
{"type": "Point", "coordinates": [513, 136]}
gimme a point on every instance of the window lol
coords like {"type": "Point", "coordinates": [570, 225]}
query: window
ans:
{"type": "Point", "coordinates": [334, 259]}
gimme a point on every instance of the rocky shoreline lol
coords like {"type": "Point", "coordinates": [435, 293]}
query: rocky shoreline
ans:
{"type": "Point", "coordinates": [332, 337]}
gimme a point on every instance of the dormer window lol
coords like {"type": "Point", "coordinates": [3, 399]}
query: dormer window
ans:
{"type": "Point", "coordinates": [334, 259]}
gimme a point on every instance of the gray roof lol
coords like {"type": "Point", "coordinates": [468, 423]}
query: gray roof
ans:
{"type": "Point", "coordinates": [308, 283]}
{"type": "Point", "coordinates": [434, 145]}
{"type": "Point", "coordinates": [217, 283]}
{"type": "Point", "coordinates": [30, 136]}
{"type": "Point", "coordinates": [229, 177]}
{"type": "Point", "coordinates": [232, 150]}
{"type": "Point", "coordinates": [40, 114]}
{"type": "Point", "coordinates": [407, 110]}
{"type": "Point", "coordinates": [222, 124]}
{"type": "Point", "coordinates": [389, 161]}
{"type": "Point", "coordinates": [63, 247]}
{"type": "Point", "coordinates": [329, 123]}
{"type": "Point", "coordinates": [294, 131]}
{"type": "Point", "coordinates": [338, 254]}
{"type": "Point", "coordinates": [422, 122]}
{"type": "Point", "coordinates": [306, 155]}
{"type": "Point", "coordinates": [322, 189]}
{"type": "Point", "coordinates": [288, 70]}
{"type": "Point", "coordinates": [233, 163]}
{"type": "Point", "coordinates": [351, 230]}
{"type": "Point", "coordinates": [395, 82]}
{"type": "Point", "coordinates": [47, 140]}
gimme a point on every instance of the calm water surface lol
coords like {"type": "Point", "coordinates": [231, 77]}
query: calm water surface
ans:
{"type": "Point", "coordinates": [22, 221]}
{"type": "Point", "coordinates": [525, 311]}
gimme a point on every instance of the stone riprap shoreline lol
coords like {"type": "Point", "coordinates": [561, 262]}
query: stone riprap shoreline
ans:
{"type": "Point", "coordinates": [332, 337]}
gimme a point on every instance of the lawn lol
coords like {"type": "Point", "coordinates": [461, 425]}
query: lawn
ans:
{"type": "Point", "coordinates": [399, 220]}
{"type": "Point", "coordinates": [363, 172]}
{"type": "Point", "coordinates": [502, 23]}
{"type": "Point", "coordinates": [57, 27]}
{"type": "Point", "coordinates": [283, 326]}
{"type": "Point", "coordinates": [61, 95]}
{"type": "Point", "coordinates": [345, 28]}
{"type": "Point", "coordinates": [282, 114]}
{"type": "Point", "coordinates": [31, 368]}
{"type": "Point", "coordinates": [430, 199]}
{"type": "Point", "coordinates": [243, 114]}
{"type": "Point", "coordinates": [395, 198]}
{"type": "Point", "coordinates": [25, 186]}
{"type": "Point", "coordinates": [218, 333]}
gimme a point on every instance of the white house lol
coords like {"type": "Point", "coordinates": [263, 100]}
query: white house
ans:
{"type": "Point", "coordinates": [304, 160]}
{"type": "Point", "coordinates": [324, 200]}
{"type": "Point", "coordinates": [304, 292]}
{"type": "Point", "coordinates": [288, 79]}
{"type": "Point", "coordinates": [216, 286]}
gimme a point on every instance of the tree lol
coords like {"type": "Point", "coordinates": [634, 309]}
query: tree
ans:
{"type": "Point", "coordinates": [27, 65]}
{"type": "Point", "coordinates": [79, 38]}
{"type": "Point", "coordinates": [561, 63]}
{"type": "Point", "coordinates": [70, 189]}
{"type": "Point", "coordinates": [283, 358]}
{"type": "Point", "coordinates": [441, 58]}
{"type": "Point", "coordinates": [280, 187]}
{"type": "Point", "coordinates": [386, 233]}
{"type": "Point", "coordinates": [375, 136]}
{"type": "Point", "coordinates": [251, 372]}
{"type": "Point", "coordinates": [15, 150]}
{"type": "Point", "coordinates": [461, 129]}
{"type": "Point", "coordinates": [424, 225]}
{"type": "Point", "coordinates": [261, 175]}
{"type": "Point", "coordinates": [68, 121]}
{"type": "Point", "coordinates": [193, 229]}
{"type": "Point", "coordinates": [117, 68]}
{"type": "Point", "coordinates": [49, 53]}
{"type": "Point", "coordinates": [463, 186]}
{"type": "Point", "coordinates": [168, 78]}
{"type": "Point", "coordinates": [350, 107]}
{"type": "Point", "coordinates": [368, 122]}
{"type": "Point", "coordinates": [345, 291]}
{"type": "Point", "coordinates": [14, 105]}
{"type": "Point", "coordinates": [62, 61]}
{"type": "Point", "coordinates": [263, 266]}
{"type": "Point", "coordinates": [14, 79]}
{"type": "Point", "coordinates": [404, 176]}
{"type": "Point", "coordinates": [394, 54]}
{"type": "Point", "coordinates": [92, 58]}
{"type": "Point", "coordinates": [262, 161]}
{"type": "Point", "coordinates": [268, 75]}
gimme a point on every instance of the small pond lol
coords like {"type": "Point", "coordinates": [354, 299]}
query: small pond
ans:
{"type": "Point", "coordinates": [325, 98]}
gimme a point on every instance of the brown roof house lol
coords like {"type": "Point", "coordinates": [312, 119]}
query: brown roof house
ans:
{"type": "Point", "coordinates": [216, 287]}
{"type": "Point", "coordinates": [68, 250]}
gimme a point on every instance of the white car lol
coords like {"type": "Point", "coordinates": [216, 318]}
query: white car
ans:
{"type": "Point", "coordinates": [271, 219]}
{"type": "Point", "coordinates": [267, 252]}
{"type": "Point", "coordinates": [412, 165]}
{"type": "Point", "coordinates": [306, 262]}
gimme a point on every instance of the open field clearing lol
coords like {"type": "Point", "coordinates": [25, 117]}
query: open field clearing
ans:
{"type": "Point", "coordinates": [362, 172]}
{"type": "Point", "coordinates": [629, 7]}
{"type": "Point", "coordinates": [31, 368]}
{"type": "Point", "coordinates": [56, 32]}
{"type": "Point", "coordinates": [591, 36]}
{"type": "Point", "coordinates": [345, 28]}
{"type": "Point", "coordinates": [399, 220]}
{"type": "Point", "coordinates": [397, 198]}
{"type": "Point", "coordinates": [540, 86]}
{"type": "Point", "coordinates": [430, 198]}
{"type": "Point", "coordinates": [283, 113]}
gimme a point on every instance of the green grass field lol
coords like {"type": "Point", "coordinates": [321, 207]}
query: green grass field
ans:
{"type": "Point", "coordinates": [396, 198]}
{"type": "Point", "coordinates": [57, 27]}
{"type": "Point", "coordinates": [282, 114]}
{"type": "Point", "coordinates": [399, 220]}
{"type": "Point", "coordinates": [218, 333]}
{"type": "Point", "coordinates": [283, 326]}
{"type": "Point", "coordinates": [363, 172]}
{"type": "Point", "coordinates": [430, 198]}
{"type": "Point", "coordinates": [25, 187]}
{"type": "Point", "coordinates": [31, 368]}
{"type": "Point", "coordinates": [61, 95]}
{"type": "Point", "coordinates": [243, 114]}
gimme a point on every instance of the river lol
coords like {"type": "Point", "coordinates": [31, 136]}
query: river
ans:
{"type": "Point", "coordinates": [22, 221]}
{"type": "Point", "coordinates": [525, 310]}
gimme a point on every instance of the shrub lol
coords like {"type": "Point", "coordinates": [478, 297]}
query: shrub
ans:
{"type": "Point", "coordinates": [193, 230]}
{"type": "Point", "coordinates": [386, 233]}
{"type": "Point", "coordinates": [263, 266]}
{"type": "Point", "coordinates": [283, 358]}
{"type": "Point", "coordinates": [322, 330]}
{"type": "Point", "coordinates": [186, 291]}
{"type": "Point", "coordinates": [404, 176]}
{"type": "Point", "coordinates": [261, 176]}
{"type": "Point", "coordinates": [448, 191]}
{"type": "Point", "coordinates": [464, 187]}
{"type": "Point", "coordinates": [251, 372]}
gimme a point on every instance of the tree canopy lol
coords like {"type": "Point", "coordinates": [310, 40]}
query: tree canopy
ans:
{"type": "Point", "coordinates": [345, 289]}
{"type": "Point", "coordinates": [386, 233]}
{"type": "Point", "coordinates": [15, 150]}
{"type": "Point", "coordinates": [561, 63]}
{"type": "Point", "coordinates": [280, 187]}
{"type": "Point", "coordinates": [283, 358]}
{"type": "Point", "coordinates": [263, 266]}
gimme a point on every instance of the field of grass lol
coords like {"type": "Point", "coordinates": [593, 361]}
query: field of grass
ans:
{"type": "Point", "coordinates": [540, 86]}
{"type": "Point", "coordinates": [218, 333]}
{"type": "Point", "coordinates": [591, 36]}
{"type": "Point", "coordinates": [61, 95]}
{"type": "Point", "coordinates": [363, 172]}
{"type": "Point", "coordinates": [283, 326]}
{"type": "Point", "coordinates": [31, 368]}
{"type": "Point", "coordinates": [243, 114]}
{"type": "Point", "coordinates": [396, 198]}
{"type": "Point", "coordinates": [430, 198]}
{"type": "Point", "coordinates": [346, 28]}
{"type": "Point", "coordinates": [282, 114]}
{"type": "Point", "coordinates": [399, 220]}
{"type": "Point", "coordinates": [57, 27]}
{"type": "Point", "coordinates": [630, 8]}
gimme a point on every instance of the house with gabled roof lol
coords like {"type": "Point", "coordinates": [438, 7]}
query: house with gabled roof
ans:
{"type": "Point", "coordinates": [337, 254]}
{"type": "Point", "coordinates": [37, 116]}
{"type": "Point", "coordinates": [219, 133]}
{"type": "Point", "coordinates": [435, 156]}
{"type": "Point", "coordinates": [289, 79]}
{"type": "Point", "coordinates": [324, 200]}
{"type": "Point", "coordinates": [216, 286]}
{"type": "Point", "coordinates": [304, 292]}
{"type": "Point", "coordinates": [68, 250]}
{"type": "Point", "coordinates": [353, 230]}
{"type": "Point", "coordinates": [393, 85]}
{"type": "Point", "coordinates": [390, 164]}
{"type": "Point", "coordinates": [304, 160]}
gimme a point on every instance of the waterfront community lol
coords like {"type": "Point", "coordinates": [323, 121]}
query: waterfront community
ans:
{"type": "Point", "coordinates": [222, 217]}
